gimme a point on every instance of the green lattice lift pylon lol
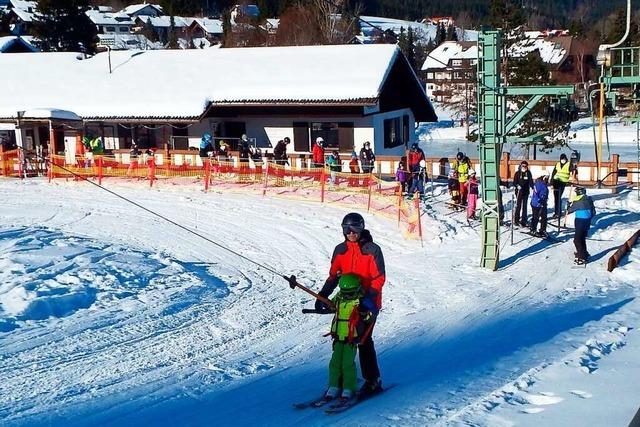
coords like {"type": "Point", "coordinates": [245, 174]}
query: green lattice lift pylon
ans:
{"type": "Point", "coordinates": [493, 128]}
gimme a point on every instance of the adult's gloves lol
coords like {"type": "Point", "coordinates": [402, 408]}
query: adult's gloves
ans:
{"type": "Point", "coordinates": [368, 302]}
{"type": "Point", "coordinates": [326, 291]}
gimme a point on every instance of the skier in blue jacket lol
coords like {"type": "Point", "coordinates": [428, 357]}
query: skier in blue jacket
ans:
{"type": "Point", "coordinates": [582, 206]}
{"type": "Point", "coordinates": [539, 200]}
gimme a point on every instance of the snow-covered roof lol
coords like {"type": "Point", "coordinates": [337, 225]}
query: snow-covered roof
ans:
{"type": "Point", "coordinates": [105, 18]}
{"type": "Point", "coordinates": [23, 15]}
{"type": "Point", "coordinates": [24, 5]}
{"type": "Point", "coordinates": [186, 82]}
{"type": "Point", "coordinates": [553, 50]}
{"type": "Point", "coordinates": [273, 22]}
{"type": "Point", "coordinates": [8, 41]}
{"type": "Point", "coordinates": [127, 42]}
{"type": "Point", "coordinates": [368, 26]}
{"type": "Point", "coordinates": [165, 21]}
{"type": "Point", "coordinates": [135, 8]}
{"type": "Point", "coordinates": [211, 26]}
{"type": "Point", "coordinates": [449, 51]}
{"type": "Point", "coordinates": [49, 113]}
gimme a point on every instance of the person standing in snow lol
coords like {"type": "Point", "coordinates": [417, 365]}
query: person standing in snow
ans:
{"type": "Point", "coordinates": [539, 200]}
{"type": "Point", "coordinates": [523, 182]}
{"type": "Point", "coordinates": [367, 158]}
{"type": "Point", "coordinates": [582, 206]}
{"type": "Point", "coordinates": [134, 153]}
{"type": "Point", "coordinates": [418, 177]}
{"type": "Point", "coordinates": [354, 168]}
{"type": "Point", "coordinates": [454, 187]}
{"type": "Point", "coordinates": [317, 158]}
{"type": "Point", "coordinates": [335, 166]}
{"type": "Point", "coordinates": [462, 164]}
{"type": "Point", "coordinates": [280, 152]}
{"type": "Point", "coordinates": [347, 327]}
{"type": "Point", "coordinates": [243, 154]}
{"type": "Point", "coordinates": [472, 194]}
{"type": "Point", "coordinates": [401, 177]}
{"type": "Point", "coordinates": [205, 146]}
{"type": "Point", "coordinates": [416, 155]}
{"type": "Point", "coordinates": [560, 178]}
{"type": "Point", "coordinates": [358, 255]}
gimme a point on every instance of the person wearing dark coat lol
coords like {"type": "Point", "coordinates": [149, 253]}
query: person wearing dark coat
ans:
{"type": "Point", "coordinates": [367, 158]}
{"type": "Point", "coordinates": [582, 206]}
{"type": "Point", "coordinates": [523, 182]}
{"type": "Point", "coordinates": [539, 200]}
{"type": "Point", "coordinates": [280, 152]}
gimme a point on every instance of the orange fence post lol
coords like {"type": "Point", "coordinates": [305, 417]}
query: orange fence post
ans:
{"type": "Point", "coordinates": [399, 202]}
{"type": "Point", "coordinates": [322, 179]}
{"type": "Point", "coordinates": [416, 198]}
{"type": "Point", "coordinates": [369, 189]}
{"type": "Point", "coordinates": [207, 174]}
{"type": "Point", "coordinates": [167, 159]}
{"type": "Point", "coordinates": [152, 170]}
{"type": "Point", "coordinates": [20, 162]}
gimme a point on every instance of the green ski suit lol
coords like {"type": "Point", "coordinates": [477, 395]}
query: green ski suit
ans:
{"type": "Point", "coordinates": [344, 333]}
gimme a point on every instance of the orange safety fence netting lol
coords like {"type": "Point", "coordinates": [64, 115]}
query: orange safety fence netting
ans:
{"type": "Point", "coordinates": [365, 191]}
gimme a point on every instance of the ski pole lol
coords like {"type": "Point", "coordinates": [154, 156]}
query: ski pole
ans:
{"type": "Point", "coordinates": [293, 283]}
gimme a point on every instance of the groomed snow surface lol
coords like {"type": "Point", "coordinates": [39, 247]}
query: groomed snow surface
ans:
{"type": "Point", "coordinates": [109, 316]}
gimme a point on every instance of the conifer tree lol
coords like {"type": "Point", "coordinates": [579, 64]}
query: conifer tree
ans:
{"type": "Point", "coordinates": [63, 26]}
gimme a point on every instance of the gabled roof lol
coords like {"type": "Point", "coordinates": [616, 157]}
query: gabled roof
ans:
{"type": "Point", "coordinates": [441, 57]}
{"type": "Point", "coordinates": [23, 15]}
{"type": "Point", "coordinates": [135, 8]}
{"type": "Point", "coordinates": [165, 21]}
{"type": "Point", "coordinates": [186, 83]}
{"type": "Point", "coordinates": [8, 44]}
{"type": "Point", "coordinates": [24, 5]}
{"type": "Point", "coordinates": [211, 26]}
{"type": "Point", "coordinates": [106, 18]}
{"type": "Point", "coordinates": [553, 50]}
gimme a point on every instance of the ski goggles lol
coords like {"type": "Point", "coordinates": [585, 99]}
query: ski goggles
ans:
{"type": "Point", "coordinates": [346, 229]}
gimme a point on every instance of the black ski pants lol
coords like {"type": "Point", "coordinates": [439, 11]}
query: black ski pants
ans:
{"type": "Point", "coordinates": [368, 359]}
{"type": "Point", "coordinates": [521, 206]}
{"type": "Point", "coordinates": [539, 214]}
{"type": "Point", "coordinates": [580, 237]}
{"type": "Point", "coordinates": [558, 189]}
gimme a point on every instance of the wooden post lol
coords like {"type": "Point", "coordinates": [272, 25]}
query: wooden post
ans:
{"type": "Point", "coordinates": [266, 179]}
{"type": "Point", "coordinates": [615, 163]}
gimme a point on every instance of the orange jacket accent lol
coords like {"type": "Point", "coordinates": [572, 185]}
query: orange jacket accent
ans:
{"type": "Point", "coordinates": [365, 260]}
{"type": "Point", "coordinates": [354, 167]}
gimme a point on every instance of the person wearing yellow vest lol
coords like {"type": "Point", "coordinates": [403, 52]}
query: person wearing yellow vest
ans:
{"type": "Point", "coordinates": [463, 164]}
{"type": "Point", "coordinates": [560, 178]}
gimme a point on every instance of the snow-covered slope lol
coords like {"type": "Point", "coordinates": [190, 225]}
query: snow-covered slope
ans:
{"type": "Point", "coordinates": [111, 317]}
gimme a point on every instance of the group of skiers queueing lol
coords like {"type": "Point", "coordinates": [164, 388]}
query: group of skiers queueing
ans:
{"type": "Point", "coordinates": [366, 159]}
{"type": "Point", "coordinates": [463, 185]}
{"type": "Point", "coordinates": [580, 203]}
{"type": "Point", "coordinates": [413, 176]}
{"type": "Point", "coordinates": [358, 271]}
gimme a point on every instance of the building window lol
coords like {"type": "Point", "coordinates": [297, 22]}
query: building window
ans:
{"type": "Point", "coordinates": [110, 29]}
{"type": "Point", "coordinates": [396, 131]}
{"type": "Point", "coordinates": [430, 75]}
{"type": "Point", "coordinates": [457, 62]}
{"type": "Point", "coordinates": [430, 87]}
{"type": "Point", "coordinates": [124, 30]}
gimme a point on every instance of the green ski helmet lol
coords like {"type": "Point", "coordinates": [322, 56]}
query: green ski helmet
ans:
{"type": "Point", "coordinates": [349, 283]}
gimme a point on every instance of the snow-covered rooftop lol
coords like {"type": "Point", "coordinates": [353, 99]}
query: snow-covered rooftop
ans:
{"type": "Point", "coordinates": [24, 5]}
{"type": "Point", "coordinates": [8, 41]}
{"type": "Point", "coordinates": [106, 18]}
{"type": "Point", "coordinates": [135, 8]}
{"type": "Point", "coordinates": [165, 21]}
{"type": "Point", "coordinates": [441, 56]}
{"type": "Point", "coordinates": [553, 50]}
{"type": "Point", "coordinates": [171, 83]}
{"type": "Point", "coordinates": [211, 26]}
{"type": "Point", "coordinates": [23, 15]}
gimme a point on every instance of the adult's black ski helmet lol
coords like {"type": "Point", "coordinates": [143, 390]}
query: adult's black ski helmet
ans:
{"type": "Point", "coordinates": [352, 222]}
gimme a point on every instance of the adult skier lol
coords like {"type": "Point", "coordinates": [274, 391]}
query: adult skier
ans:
{"type": "Point", "coordinates": [358, 255]}
{"type": "Point", "coordinates": [523, 182]}
{"type": "Point", "coordinates": [560, 178]}
{"type": "Point", "coordinates": [367, 158]}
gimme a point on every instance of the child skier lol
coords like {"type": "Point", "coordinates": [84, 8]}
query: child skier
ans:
{"type": "Point", "coordinates": [335, 166]}
{"type": "Point", "coordinates": [539, 200]}
{"type": "Point", "coordinates": [418, 177]}
{"type": "Point", "coordinates": [346, 331]}
{"type": "Point", "coordinates": [472, 194]}
{"type": "Point", "coordinates": [354, 168]}
{"type": "Point", "coordinates": [454, 187]}
{"type": "Point", "coordinates": [401, 177]}
{"type": "Point", "coordinates": [582, 206]}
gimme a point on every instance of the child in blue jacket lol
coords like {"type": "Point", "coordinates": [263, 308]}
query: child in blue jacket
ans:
{"type": "Point", "coordinates": [539, 200]}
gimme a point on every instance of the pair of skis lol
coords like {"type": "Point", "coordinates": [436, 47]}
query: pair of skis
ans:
{"type": "Point", "coordinates": [337, 405]}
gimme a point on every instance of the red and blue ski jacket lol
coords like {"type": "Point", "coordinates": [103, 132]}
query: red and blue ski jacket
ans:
{"type": "Point", "coordinates": [364, 259]}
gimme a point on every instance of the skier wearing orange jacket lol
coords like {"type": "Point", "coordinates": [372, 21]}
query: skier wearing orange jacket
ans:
{"type": "Point", "coordinates": [358, 255]}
